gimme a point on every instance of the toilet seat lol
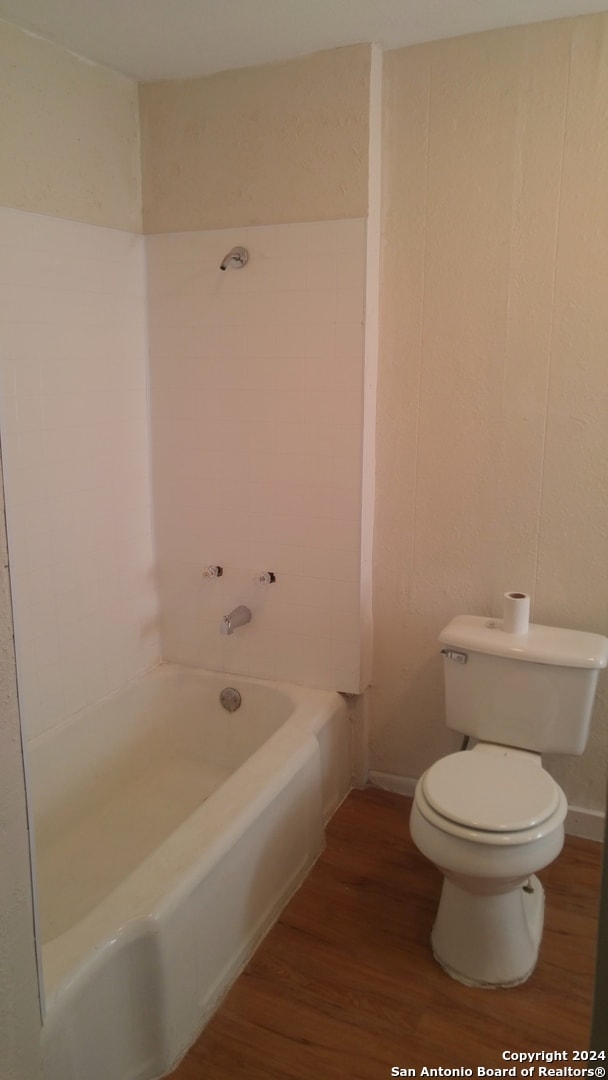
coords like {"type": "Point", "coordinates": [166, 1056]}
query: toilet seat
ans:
{"type": "Point", "coordinates": [493, 798]}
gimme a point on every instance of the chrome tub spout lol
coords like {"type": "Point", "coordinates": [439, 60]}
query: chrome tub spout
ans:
{"type": "Point", "coordinates": [239, 617]}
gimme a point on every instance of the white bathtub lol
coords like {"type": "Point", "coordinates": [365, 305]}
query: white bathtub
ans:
{"type": "Point", "coordinates": [169, 835]}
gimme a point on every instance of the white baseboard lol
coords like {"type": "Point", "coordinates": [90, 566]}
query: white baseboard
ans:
{"type": "Point", "coordinates": [402, 785]}
{"type": "Point", "coordinates": [588, 824]}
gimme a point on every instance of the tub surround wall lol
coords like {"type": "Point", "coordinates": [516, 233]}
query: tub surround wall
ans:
{"type": "Point", "coordinates": [256, 394]}
{"type": "Point", "coordinates": [263, 371]}
{"type": "Point", "coordinates": [258, 146]}
{"type": "Point", "coordinates": [492, 388]}
{"type": "Point", "coordinates": [75, 440]}
{"type": "Point", "coordinates": [73, 132]}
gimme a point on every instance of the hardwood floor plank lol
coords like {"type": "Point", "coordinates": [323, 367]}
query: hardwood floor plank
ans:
{"type": "Point", "coordinates": [345, 984]}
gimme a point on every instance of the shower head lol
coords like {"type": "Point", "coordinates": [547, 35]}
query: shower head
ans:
{"type": "Point", "coordinates": [235, 259]}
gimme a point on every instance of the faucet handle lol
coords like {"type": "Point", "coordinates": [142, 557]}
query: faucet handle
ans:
{"type": "Point", "coordinates": [213, 571]}
{"type": "Point", "coordinates": [265, 578]}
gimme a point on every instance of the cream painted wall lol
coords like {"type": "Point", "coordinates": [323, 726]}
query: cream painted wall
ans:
{"type": "Point", "coordinates": [257, 146]}
{"type": "Point", "coordinates": [19, 1008]}
{"type": "Point", "coordinates": [69, 131]}
{"type": "Point", "coordinates": [493, 387]}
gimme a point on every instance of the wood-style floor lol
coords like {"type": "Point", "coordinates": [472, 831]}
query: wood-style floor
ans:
{"type": "Point", "coordinates": [344, 987]}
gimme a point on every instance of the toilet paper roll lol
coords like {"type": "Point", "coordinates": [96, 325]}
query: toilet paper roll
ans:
{"type": "Point", "coordinates": [516, 613]}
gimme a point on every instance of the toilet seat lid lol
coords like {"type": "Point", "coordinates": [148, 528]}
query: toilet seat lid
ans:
{"type": "Point", "coordinates": [490, 792]}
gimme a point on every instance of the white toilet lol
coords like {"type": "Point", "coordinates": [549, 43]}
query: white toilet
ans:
{"type": "Point", "coordinates": [490, 817]}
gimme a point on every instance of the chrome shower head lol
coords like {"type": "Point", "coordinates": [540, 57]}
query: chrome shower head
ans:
{"type": "Point", "coordinates": [235, 259]}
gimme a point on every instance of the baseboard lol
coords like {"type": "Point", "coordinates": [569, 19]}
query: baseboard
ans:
{"type": "Point", "coordinates": [588, 824]}
{"type": "Point", "coordinates": [402, 785]}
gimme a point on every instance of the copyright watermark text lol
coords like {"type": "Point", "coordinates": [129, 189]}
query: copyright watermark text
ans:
{"type": "Point", "coordinates": [523, 1064]}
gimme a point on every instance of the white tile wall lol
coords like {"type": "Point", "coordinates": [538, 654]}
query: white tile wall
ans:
{"type": "Point", "coordinates": [256, 389]}
{"type": "Point", "coordinates": [73, 418]}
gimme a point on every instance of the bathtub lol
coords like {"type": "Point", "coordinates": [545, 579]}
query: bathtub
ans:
{"type": "Point", "coordinates": [169, 834]}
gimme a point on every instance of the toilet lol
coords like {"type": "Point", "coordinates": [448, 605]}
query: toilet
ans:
{"type": "Point", "coordinates": [491, 817]}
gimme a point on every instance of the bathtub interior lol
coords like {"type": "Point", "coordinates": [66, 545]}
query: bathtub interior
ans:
{"type": "Point", "coordinates": [119, 778]}
{"type": "Point", "coordinates": [215, 820]}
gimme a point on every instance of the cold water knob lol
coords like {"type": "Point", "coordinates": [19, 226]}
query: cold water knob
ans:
{"type": "Point", "coordinates": [266, 577]}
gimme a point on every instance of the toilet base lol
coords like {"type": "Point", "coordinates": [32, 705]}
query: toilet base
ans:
{"type": "Point", "coordinates": [489, 940]}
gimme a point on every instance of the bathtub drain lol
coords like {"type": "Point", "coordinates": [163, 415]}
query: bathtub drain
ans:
{"type": "Point", "coordinates": [230, 699]}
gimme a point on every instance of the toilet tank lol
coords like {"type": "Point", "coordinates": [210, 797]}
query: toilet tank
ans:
{"type": "Point", "coordinates": [534, 691]}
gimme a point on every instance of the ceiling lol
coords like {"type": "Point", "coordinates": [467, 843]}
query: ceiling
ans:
{"type": "Point", "coordinates": [169, 39]}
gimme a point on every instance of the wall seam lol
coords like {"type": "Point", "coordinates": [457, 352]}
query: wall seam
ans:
{"type": "Point", "coordinates": [552, 326]}
{"type": "Point", "coordinates": [421, 336]}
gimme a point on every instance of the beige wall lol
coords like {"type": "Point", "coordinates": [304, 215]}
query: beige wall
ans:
{"type": "Point", "coordinates": [266, 145]}
{"type": "Point", "coordinates": [69, 135]}
{"type": "Point", "coordinates": [493, 388]}
{"type": "Point", "coordinates": [19, 1009]}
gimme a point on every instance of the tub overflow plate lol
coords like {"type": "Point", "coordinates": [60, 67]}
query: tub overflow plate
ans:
{"type": "Point", "coordinates": [230, 699]}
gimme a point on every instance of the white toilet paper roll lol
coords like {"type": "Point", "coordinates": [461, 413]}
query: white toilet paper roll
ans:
{"type": "Point", "coordinates": [516, 613]}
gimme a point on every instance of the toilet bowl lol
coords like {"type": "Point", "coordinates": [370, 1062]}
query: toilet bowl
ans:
{"type": "Point", "coordinates": [489, 819]}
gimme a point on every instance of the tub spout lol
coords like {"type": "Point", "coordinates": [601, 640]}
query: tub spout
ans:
{"type": "Point", "coordinates": [239, 617]}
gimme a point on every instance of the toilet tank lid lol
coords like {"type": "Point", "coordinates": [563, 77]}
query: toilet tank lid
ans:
{"type": "Point", "coordinates": [542, 644]}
